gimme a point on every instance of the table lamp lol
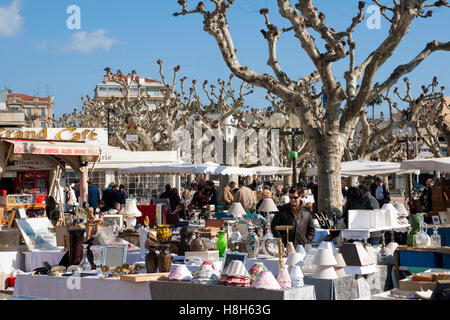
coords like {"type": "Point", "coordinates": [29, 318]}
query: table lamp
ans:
{"type": "Point", "coordinates": [268, 206]}
{"type": "Point", "coordinates": [237, 210]}
{"type": "Point", "coordinates": [131, 212]}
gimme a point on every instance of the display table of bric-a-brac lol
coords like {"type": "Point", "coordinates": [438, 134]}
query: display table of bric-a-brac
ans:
{"type": "Point", "coordinates": [170, 290]}
{"type": "Point", "coordinates": [76, 288]}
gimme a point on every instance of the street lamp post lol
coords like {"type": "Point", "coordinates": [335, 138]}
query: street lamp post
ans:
{"type": "Point", "coordinates": [109, 110]}
{"type": "Point", "coordinates": [404, 136]}
{"type": "Point", "coordinates": [278, 120]}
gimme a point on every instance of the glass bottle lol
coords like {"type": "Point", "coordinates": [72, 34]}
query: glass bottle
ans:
{"type": "Point", "coordinates": [85, 266]}
{"type": "Point", "coordinates": [221, 244]}
{"type": "Point", "coordinates": [435, 238]}
{"type": "Point", "coordinates": [252, 243]}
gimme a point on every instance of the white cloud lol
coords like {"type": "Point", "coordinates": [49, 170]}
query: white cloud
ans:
{"type": "Point", "coordinates": [11, 22]}
{"type": "Point", "coordinates": [87, 42]}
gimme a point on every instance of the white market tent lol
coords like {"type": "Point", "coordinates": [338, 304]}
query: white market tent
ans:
{"type": "Point", "coordinates": [187, 168]}
{"type": "Point", "coordinates": [269, 171]}
{"type": "Point", "coordinates": [432, 164]}
{"type": "Point", "coordinates": [367, 168]}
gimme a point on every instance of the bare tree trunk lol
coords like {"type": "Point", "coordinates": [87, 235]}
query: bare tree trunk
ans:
{"type": "Point", "coordinates": [329, 174]}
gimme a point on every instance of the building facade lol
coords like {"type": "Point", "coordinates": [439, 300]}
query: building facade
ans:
{"type": "Point", "coordinates": [145, 87]}
{"type": "Point", "coordinates": [38, 111]}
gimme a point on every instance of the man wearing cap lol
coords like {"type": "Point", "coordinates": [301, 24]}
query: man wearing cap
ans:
{"type": "Point", "coordinates": [294, 214]}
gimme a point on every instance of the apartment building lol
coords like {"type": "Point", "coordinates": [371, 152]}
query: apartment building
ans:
{"type": "Point", "coordinates": [38, 111]}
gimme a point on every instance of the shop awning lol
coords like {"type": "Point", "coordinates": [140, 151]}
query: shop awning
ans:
{"type": "Point", "coordinates": [366, 168]}
{"type": "Point", "coordinates": [72, 153]}
{"type": "Point", "coordinates": [54, 148]}
{"type": "Point", "coordinates": [431, 164]}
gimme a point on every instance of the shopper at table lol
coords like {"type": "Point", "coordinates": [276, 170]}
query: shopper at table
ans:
{"type": "Point", "coordinates": [369, 202]}
{"type": "Point", "coordinates": [180, 211]}
{"type": "Point", "coordinates": [245, 196]}
{"type": "Point", "coordinates": [101, 207]}
{"type": "Point", "coordinates": [380, 191]}
{"type": "Point", "coordinates": [93, 195]}
{"type": "Point", "coordinates": [71, 200]}
{"type": "Point", "coordinates": [294, 214]}
{"type": "Point", "coordinates": [170, 194]}
{"type": "Point", "coordinates": [118, 196]}
{"type": "Point", "coordinates": [116, 209]}
{"type": "Point", "coordinates": [426, 199]}
{"type": "Point", "coordinates": [354, 202]}
{"type": "Point", "coordinates": [211, 193]}
{"type": "Point", "coordinates": [228, 195]}
{"type": "Point", "coordinates": [200, 199]}
{"type": "Point", "coordinates": [108, 197]}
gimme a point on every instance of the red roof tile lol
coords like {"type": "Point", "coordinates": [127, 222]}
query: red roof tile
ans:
{"type": "Point", "coordinates": [25, 97]}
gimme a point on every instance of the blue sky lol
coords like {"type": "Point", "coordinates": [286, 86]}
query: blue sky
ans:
{"type": "Point", "coordinates": [40, 52]}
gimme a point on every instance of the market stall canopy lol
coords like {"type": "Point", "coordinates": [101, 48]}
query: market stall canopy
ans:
{"type": "Point", "coordinates": [367, 168]}
{"type": "Point", "coordinates": [188, 168]}
{"type": "Point", "coordinates": [432, 164]}
{"type": "Point", "coordinates": [269, 171]}
{"type": "Point", "coordinates": [73, 153]}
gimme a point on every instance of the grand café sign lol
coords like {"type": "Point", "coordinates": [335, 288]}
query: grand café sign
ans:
{"type": "Point", "coordinates": [97, 136]}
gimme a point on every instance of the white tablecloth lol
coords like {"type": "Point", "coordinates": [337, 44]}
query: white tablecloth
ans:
{"type": "Point", "coordinates": [35, 259]}
{"type": "Point", "coordinates": [71, 288]}
{"type": "Point", "coordinates": [10, 260]}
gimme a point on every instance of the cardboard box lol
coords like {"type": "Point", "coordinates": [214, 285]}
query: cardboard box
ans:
{"type": "Point", "coordinates": [408, 284]}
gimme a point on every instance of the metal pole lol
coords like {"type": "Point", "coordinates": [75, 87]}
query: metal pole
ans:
{"type": "Point", "coordinates": [409, 175]}
{"type": "Point", "coordinates": [107, 125]}
{"type": "Point", "coordinates": [294, 160]}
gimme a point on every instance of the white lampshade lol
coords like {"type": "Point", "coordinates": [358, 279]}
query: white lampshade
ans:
{"type": "Point", "coordinates": [296, 272]}
{"type": "Point", "coordinates": [328, 245]}
{"type": "Point", "coordinates": [340, 260]}
{"type": "Point", "coordinates": [295, 258]}
{"type": "Point", "coordinates": [325, 272]}
{"type": "Point", "coordinates": [324, 257]}
{"type": "Point", "coordinates": [131, 209]}
{"type": "Point", "coordinates": [237, 210]}
{"type": "Point", "coordinates": [268, 205]}
{"type": "Point", "coordinates": [300, 249]}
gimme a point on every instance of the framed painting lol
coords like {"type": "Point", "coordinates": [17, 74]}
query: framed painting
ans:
{"type": "Point", "coordinates": [110, 219]}
{"type": "Point", "coordinates": [230, 256]}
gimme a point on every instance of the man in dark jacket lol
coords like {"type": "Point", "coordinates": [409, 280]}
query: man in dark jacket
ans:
{"type": "Point", "coordinates": [211, 193]}
{"type": "Point", "coordinates": [174, 199]}
{"type": "Point", "coordinates": [380, 192]}
{"type": "Point", "coordinates": [369, 202]}
{"type": "Point", "coordinates": [426, 198]}
{"type": "Point", "coordinates": [293, 214]}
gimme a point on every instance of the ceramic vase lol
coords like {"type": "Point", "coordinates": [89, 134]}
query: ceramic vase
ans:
{"type": "Point", "coordinates": [252, 244]}
{"type": "Point", "coordinates": [151, 260]}
{"type": "Point", "coordinates": [164, 234]}
{"type": "Point", "coordinates": [221, 244]}
{"type": "Point", "coordinates": [76, 246]}
{"type": "Point", "coordinates": [164, 259]}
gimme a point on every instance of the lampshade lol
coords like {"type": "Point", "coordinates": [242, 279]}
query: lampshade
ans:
{"type": "Point", "coordinates": [355, 255]}
{"type": "Point", "coordinates": [283, 278]}
{"type": "Point", "coordinates": [237, 210]}
{"type": "Point", "coordinates": [325, 272]}
{"type": "Point", "coordinates": [295, 258]}
{"type": "Point", "coordinates": [131, 209]}
{"type": "Point", "coordinates": [340, 260]}
{"type": "Point", "coordinates": [324, 257]}
{"type": "Point", "coordinates": [328, 245]}
{"type": "Point", "coordinates": [300, 249]}
{"type": "Point", "coordinates": [268, 205]}
{"type": "Point", "coordinates": [266, 280]}
{"type": "Point", "coordinates": [340, 272]}
{"type": "Point", "coordinates": [296, 276]}
{"type": "Point", "coordinates": [180, 273]}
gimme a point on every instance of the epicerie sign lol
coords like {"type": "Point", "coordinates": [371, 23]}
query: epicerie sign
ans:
{"type": "Point", "coordinates": [97, 136]}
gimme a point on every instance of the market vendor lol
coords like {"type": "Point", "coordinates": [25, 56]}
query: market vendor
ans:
{"type": "Point", "coordinates": [294, 214]}
{"type": "Point", "coordinates": [425, 198]}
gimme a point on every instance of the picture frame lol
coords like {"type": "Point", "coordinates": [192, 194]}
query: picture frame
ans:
{"type": "Point", "coordinates": [40, 229]}
{"type": "Point", "coordinates": [114, 256]}
{"type": "Point", "coordinates": [234, 255]}
{"type": "Point", "coordinates": [22, 213]}
{"type": "Point", "coordinates": [436, 220]}
{"type": "Point", "coordinates": [108, 220]}
{"type": "Point", "coordinates": [445, 217]}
